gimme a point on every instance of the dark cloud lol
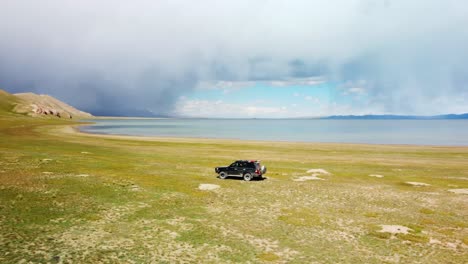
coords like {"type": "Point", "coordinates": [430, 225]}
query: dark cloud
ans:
{"type": "Point", "coordinates": [138, 57]}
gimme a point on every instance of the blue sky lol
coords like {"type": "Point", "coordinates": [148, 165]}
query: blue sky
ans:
{"type": "Point", "coordinates": [268, 99]}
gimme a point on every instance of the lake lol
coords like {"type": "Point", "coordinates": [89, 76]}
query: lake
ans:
{"type": "Point", "coordinates": [420, 132]}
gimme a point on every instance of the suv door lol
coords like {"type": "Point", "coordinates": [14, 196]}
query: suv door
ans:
{"type": "Point", "coordinates": [241, 168]}
{"type": "Point", "coordinates": [232, 169]}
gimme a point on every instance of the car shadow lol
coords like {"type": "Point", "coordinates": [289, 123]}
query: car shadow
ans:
{"type": "Point", "coordinates": [242, 179]}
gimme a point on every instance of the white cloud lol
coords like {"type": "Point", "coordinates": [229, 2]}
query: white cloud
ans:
{"type": "Point", "coordinates": [219, 108]}
{"type": "Point", "coordinates": [311, 99]}
{"type": "Point", "coordinates": [357, 90]}
{"type": "Point", "coordinates": [222, 109]}
{"type": "Point", "coordinates": [308, 81]}
{"type": "Point", "coordinates": [235, 85]}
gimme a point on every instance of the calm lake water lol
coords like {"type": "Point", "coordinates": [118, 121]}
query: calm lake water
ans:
{"type": "Point", "coordinates": [421, 132]}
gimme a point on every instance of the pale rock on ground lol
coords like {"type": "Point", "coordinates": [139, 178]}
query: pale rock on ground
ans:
{"type": "Point", "coordinates": [314, 176]}
{"type": "Point", "coordinates": [135, 188]}
{"type": "Point", "coordinates": [395, 229]}
{"type": "Point", "coordinates": [417, 183]}
{"type": "Point", "coordinates": [208, 187]}
{"type": "Point", "coordinates": [459, 191]}
{"type": "Point", "coordinates": [376, 175]}
{"type": "Point", "coordinates": [308, 178]}
{"type": "Point", "coordinates": [318, 171]}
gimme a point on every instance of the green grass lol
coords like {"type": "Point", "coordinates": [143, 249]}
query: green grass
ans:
{"type": "Point", "coordinates": [7, 102]}
{"type": "Point", "coordinates": [73, 197]}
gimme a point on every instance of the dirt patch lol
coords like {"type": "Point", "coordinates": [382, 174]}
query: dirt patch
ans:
{"type": "Point", "coordinates": [314, 177]}
{"type": "Point", "coordinates": [208, 187]}
{"type": "Point", "coordinates": [459, 191]}
{"type": "Point", "coordinates": [318, 171]}
{"type": "Point", "coordinates": [395, 229]}
{"type": "Point", "coordinates": [376, 175]}
{"type": "Point", "coordinates": [418, 184]}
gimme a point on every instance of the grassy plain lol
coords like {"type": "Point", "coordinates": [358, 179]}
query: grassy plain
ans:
{"type": "Point", "coordinates": [70, 197]}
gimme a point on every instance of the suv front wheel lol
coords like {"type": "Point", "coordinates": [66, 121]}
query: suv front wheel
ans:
{"type": "Point", "coordinates": [248, 177]}
{"type": "Point", "coordinates": [223, 175]}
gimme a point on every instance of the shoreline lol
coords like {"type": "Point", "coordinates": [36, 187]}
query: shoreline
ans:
{"type": "Point", "coordinates": [74, 130]}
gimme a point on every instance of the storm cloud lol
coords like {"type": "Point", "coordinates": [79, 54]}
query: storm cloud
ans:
{"type": "Point", "coordinates": [138, 57]}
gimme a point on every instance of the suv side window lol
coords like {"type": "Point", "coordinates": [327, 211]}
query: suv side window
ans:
{"type": "Point", "coordinates": [251, 165]}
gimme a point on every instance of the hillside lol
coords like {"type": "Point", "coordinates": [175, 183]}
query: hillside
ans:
{"type": "Point", "coordinates": [38, 105]}
{"type": "Point", "coordinates": [7, 101]}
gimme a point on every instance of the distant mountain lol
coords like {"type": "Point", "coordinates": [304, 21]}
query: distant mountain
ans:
{"type": "Point", "coordinates": [38, 105]}
{"type": "Point", "coordinates": [396, 117]}
{"type": "Point", "coordinates": [453, 116]}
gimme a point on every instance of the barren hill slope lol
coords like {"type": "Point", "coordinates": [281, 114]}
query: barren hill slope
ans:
{"type": "Point", "coordinates": [7, 101]}
{"type": "Point", "coordinates": [38, 105]}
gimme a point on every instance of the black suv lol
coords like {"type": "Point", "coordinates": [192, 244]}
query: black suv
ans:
{"type": "Point", "coordinates": [247, 169]}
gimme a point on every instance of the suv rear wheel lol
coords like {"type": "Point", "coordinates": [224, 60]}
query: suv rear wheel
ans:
{"type": "Point", "coordinates": [247, 177]}
{"type": "Point", "coordinates": [223, 175]}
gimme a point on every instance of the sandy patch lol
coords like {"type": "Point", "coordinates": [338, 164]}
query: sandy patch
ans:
{"type": "Point", "coordinates": [47, 173]}
{"type": "Point", "coordinates": [308, 178]}
{"type": "Point", "coordinates": [419, 184]}
{"type": "Point", "coordinates": [318, 171]}
{"type": "Point", "coordinates": [459, 191]}
{"type": "Point", "coordinates": [85, 152]}
{"type": "Point", "coordinates": [47, 160]}
{"type": "Point", "coordinates": [395, 229]}
{"type": "Point", "coordinates": [208, 187]}
{"type": "Point", "coordinates": [376, 175]}
{"type": "Point", "coordinates": [82, 175]}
